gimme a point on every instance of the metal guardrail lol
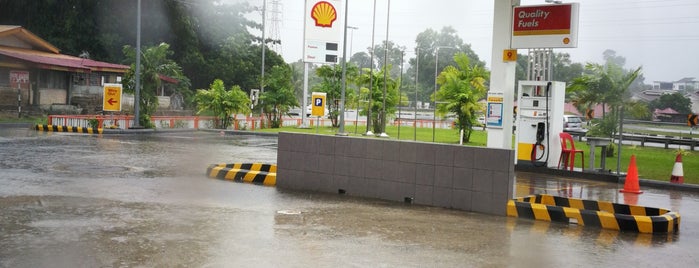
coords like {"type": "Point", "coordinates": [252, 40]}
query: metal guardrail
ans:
{"type": "Point", "coordinates": [667, 140]}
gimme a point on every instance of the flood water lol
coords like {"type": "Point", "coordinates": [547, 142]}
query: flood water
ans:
{"type": "Point", "coordinates": [74, 200]}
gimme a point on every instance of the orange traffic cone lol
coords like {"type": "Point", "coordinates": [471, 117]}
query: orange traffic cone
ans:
{"type": "Point", "coordinates": [631, 183]}
{"type": "Point", "coordinates": [677, 172]}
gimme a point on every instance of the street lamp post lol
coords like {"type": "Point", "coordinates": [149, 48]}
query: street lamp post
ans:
{"type": "Point", "coordinates": [352, 28]}
{"type": "Point", "coordinates": [137, 92]}
{"type": "Point", "coordinates": [417, 69]}
{"type": "Point", "coordinates": [400, 92]}
{"type": "Point", "coordinates": [262, 72]}
{"type": "Point", "coordinates": [341, 131]}
{"type": "Point", "coordinates": [434, 113]}
{"type": "Point", "coordinates": [371, 74]}
{"type": "Point", "coordinates": [385, 73]}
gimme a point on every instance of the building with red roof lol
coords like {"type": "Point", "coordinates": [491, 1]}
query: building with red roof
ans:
{"type": "Point", "coordinates": [35, 72]}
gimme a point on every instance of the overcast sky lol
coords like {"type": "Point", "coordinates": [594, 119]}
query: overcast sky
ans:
{"type": "Point", "coordinates": [660, 35]}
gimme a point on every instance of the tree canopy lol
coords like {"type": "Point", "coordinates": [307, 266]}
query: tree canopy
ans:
{"type": "Point", "coordinates": [222, 103]}
{"type": "Point", "coordinates": [677, 101]}
{"type": "Point", "coordinates": [209, 39]}
{"type": "Point", "coordinates": [461, 88]}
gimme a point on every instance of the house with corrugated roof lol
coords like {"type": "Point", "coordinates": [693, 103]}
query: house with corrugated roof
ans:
{"type": "Point", "coordinates": [33, 73]}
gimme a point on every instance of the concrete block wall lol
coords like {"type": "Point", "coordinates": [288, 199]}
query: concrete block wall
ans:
{"type": "Point", "coordinates": [460, 177]}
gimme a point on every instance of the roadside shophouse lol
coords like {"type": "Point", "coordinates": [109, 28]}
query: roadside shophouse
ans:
{"type": "Point", "coordinates": [35, 75]}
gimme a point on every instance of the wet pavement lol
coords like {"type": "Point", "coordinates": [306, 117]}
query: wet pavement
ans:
{"type": "Point", "coordinates": [74, 200]}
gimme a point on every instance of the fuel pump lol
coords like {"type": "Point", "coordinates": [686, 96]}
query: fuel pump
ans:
{"type": "Point", "coordinates": [539, 121]}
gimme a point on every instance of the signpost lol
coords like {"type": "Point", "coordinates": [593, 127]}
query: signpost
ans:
{"type": "Point", "coordinates": [545, 26]}
{"type": "Point", "coordinates": [494, 114]}
{"type": "Point", "coordinates": [590, 114]}
{"type": "Point", "coordinates": [318, 106]}
{"type": "Point", "coordinates": [692, 120]}
{"type": "Point", "coordinates": [111, 99]}
{"type": "Point", "coordinates": [509, 55]}
{"type": "Point", "coordinates": [323, 31]}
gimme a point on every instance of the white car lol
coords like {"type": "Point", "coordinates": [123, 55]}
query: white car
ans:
{"type": "Point", "coordinates": [573, 123]}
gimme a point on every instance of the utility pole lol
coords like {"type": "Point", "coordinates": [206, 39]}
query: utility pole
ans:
{"type": "Point", "coordinates": [137, 94]}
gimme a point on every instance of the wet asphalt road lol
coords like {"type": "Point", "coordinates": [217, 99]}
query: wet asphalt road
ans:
{"type": "Point", "coordinates": [71, 200]}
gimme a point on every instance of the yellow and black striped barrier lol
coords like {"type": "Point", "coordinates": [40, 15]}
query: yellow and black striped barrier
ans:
{"type": "Point", "coordinates": [265, 174]}
{"type": "Point", "coordinates": [56, 128]}
{"type": "Point", "coordinates": [602, 214]}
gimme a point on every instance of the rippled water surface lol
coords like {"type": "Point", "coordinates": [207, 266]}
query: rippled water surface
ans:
{"type": "Point", "coordinates": [72, 200]}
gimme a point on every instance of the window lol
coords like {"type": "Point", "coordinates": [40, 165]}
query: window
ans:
{"type": "Point", "coordinates": [4, 77]}
{"type": "Point", "coordinates": [53, 79]}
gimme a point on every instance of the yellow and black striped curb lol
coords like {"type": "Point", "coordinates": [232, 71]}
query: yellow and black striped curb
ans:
{"type": "Point", "coordinates": [602, 214]}
{"type": "Point", "coordinates": [265, 174]}
{"type": "Point", "coordinates": [56, 128]}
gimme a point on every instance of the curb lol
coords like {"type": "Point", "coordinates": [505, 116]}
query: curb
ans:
{"type": "Point", "coordinates": [608, 177]}
{"type": "Point", "coordinates": [255, 173]}
{"type": "Point", "coordinates": [55, 128]}
{"type": "Point", "coordinates": [89, 130]}
{"type": "Point", "coordinates": [602, 214]}
{"type": "Point", "coordinates": [242, 132]}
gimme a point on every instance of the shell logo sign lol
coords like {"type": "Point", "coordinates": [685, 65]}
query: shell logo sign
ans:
{"type": "Point", "coordinates": [323, 29]}
{"type": "Point", "coordinates": [324, 14]}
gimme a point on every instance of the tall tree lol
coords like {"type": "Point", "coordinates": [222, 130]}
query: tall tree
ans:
{"type": "Point", "coordinates": [427, 42]}
{"type": "Point", "coordinates": [462, 86]}
{"type": "Point", "coordinates": [394, 54]}
{"type": "Point", "coordinates": [278, 97]}
{"type": "Point", "coordinates": [362, 60]}
{"type": "Point", "coordinates": [676, 101]}
{"type": "Point", "coordinates": [376, 95]}
{"type": "Point", "coordinates": [331, 84]}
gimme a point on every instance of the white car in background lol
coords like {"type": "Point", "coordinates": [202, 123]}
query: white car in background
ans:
{"type": "Point", "coordinates": [573, 123]}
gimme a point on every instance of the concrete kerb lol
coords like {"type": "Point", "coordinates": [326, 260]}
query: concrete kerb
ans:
{"type": "Point", "coordinates": [607, 177]}
{"type": "Point", "coordinates": [256, 173]}
{"type": "Point", "coordinates": [601, 214]}
{"type": "Point", "coordinates": [241, 132]}
{"type": "Point", "coordinates": [88, 130]}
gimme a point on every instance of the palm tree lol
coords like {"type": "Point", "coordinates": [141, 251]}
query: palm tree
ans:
{"type": "Point", "coordinates": [155, 62]}
{"type": "Point", "coordinates": [607, 85]}
{"type": "Point", "coordinates": [462, 86]}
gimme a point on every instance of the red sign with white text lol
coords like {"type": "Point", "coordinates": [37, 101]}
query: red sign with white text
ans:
{"type": "Point", "coordinates": [545, 26]}
{"type": "Point", "coordinates": [533, 20]}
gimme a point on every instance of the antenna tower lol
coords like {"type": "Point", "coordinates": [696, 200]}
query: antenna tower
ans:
{"type": "Point", "coordinates": [276, 19]}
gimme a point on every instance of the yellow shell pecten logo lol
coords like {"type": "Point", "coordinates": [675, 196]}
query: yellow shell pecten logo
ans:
{"type": "Point", "coordinates": [324, 14]}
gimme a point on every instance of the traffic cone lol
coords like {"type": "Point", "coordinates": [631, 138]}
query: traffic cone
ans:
{"type": "Point", "coordinates": [631, 183]}
{"type": "Point", "coordinates": [677, 171]}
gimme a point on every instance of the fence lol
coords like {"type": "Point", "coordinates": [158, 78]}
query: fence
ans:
{"type": "Point", "coordinates": [240, 123]}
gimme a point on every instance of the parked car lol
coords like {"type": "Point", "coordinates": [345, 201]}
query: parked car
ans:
{"type": "Point", "coordinates": [573, 123]}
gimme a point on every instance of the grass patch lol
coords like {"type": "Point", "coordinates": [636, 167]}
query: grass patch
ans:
{"type": "Point", "coordinates": [12, 118]}
{"type": "Point", "coordinates": [652, 163]}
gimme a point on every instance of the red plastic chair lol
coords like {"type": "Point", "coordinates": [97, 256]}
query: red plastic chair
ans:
{"type": "Point", "coordinates": [568, 152]}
